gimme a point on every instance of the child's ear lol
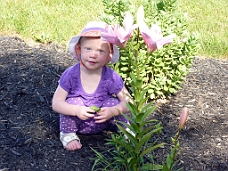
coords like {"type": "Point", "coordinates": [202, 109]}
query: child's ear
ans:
{"type": "Point", "coordinates": [109, 57]}
{"type": "Point", "coordinates": [110, 54]}
{"type": "Point", "coordinates": [78, 50]}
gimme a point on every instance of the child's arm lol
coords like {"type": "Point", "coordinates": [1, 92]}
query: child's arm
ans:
{"type": "Point", "coordinates": [108, 112]}
{"type": "Point", "coordinates": [60, 105]}
{"type": "Point", "coordinates": [123, 96]}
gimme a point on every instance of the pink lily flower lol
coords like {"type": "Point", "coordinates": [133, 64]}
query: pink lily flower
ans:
{"type": "Point", "coordinates": [119, 35]}
{"type": "Point", "coordinates": [183, 117]}
{"type": "Point", "coordinates": [153, 36]}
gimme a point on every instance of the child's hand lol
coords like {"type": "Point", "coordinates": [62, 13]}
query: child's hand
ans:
{"type": "Point", "coordinates": [84, 112]}
{"type": "Point", "coordinates": [104, 114]}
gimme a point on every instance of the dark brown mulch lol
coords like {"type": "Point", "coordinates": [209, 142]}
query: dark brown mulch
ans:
{"type": "Point", "coordinates": [29, 128]}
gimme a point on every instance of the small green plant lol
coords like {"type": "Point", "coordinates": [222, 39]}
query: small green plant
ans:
{"type": "Point", "coordinates": [132, 147]}
{"type": "Point", "coordinates": [170, 159]}
{"type": "Point", "coordinates": [125, 155]}
{"type": "Point", "coordinates": [95, 108]}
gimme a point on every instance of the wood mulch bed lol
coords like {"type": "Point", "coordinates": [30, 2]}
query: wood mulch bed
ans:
{"type": "Point", "coordinates": [29, 129]}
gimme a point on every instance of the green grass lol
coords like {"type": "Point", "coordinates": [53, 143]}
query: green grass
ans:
{"type": "Point", "coordinates": [47, 20]}
{"type": "Point", "coordinates": [57, 20]}
{"type": "Point", "coordinates": [210, 19]}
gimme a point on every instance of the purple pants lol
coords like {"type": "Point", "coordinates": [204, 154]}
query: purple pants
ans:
{"type": "Point", "coordinates": [69, 124]}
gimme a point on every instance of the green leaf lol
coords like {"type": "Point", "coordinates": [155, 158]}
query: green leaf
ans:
{"type": "Point", "coordinates": [123, 144]}
{"type": "Point", "coordinates": [165, 88]}
{"type": "Point", "coordinates": [95, 108]}
{"type": "Point", "coordinates": [138, 83]}
{"type": "Point", "coordinates": [169, 161]}
{"type": "Point", "coordinates": [165, 168]}
{"type": "Point", "coordinates": [151, 166]}
{"type": "Point", "coordinates": [124, 69]}
{"type": "Point", "coordinates": [142, 102]}
{"type": "Point", "coordinates": [129, 135]}
{"type": "Point", "coordinates": [132, 160]}
{"type": "Point", "coordinates": [130, 119]}
{"type": "Point", "coordinates": [135, 127]}
{"type": "Point", "coordinates": [132, 108]}
{"type": "Point", "coordinates": [137, 95]}
{"type": "Point", "coordinates": [151, 149]}
{"type": "Point", "coordinates": [139, 118]}
{"type": "Point", "coordinates": [129, 159]}
{"type": "Point", "coordinates": [147, 106]}
{"type": "Point", "coordinates": [149, 111]}
{"type": "Point", "coordinates": [172, 90]}
{"type": "Point", "coordinates": [155, 130]}
{"type": "Point", "coordinates": [142, 141]}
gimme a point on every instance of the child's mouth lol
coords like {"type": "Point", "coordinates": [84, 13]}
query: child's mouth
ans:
{"type": "Point", "coordinates": [92, 62]}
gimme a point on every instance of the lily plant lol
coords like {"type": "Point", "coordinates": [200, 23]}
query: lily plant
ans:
{"type": "Point", "coordinates": [134, 149]}
{"type": "Point", "coordinates": [170, 159]}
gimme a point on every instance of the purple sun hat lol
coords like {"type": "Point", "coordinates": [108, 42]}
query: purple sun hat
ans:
{"type": "Point", "coordinates": [92, 29]}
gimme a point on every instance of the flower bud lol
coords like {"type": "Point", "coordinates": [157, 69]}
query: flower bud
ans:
{"type": "Point", "coordinates": [183, 117]}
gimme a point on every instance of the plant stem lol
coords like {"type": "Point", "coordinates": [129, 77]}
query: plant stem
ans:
{"type": "Point", "coordinates": [176, 146]}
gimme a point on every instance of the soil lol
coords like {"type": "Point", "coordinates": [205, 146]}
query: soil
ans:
{"type": "Point", "coordinates": [29, 128]}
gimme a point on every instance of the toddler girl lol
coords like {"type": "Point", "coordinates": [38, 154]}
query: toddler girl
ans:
{"type": "Point", "coordinates": [89, 83]}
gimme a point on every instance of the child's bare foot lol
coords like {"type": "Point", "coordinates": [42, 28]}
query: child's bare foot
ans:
{"type": "Point", "coordinates": [74, 145]}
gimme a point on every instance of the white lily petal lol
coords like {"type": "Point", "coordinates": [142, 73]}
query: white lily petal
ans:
{"type": "Point", "coordinates": [140, 15]}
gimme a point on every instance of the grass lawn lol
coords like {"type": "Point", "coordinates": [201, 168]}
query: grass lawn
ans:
{"type": "Point", "coordinates": [55, 20]}
{"type": "Point", "coordinates": [210, 19]}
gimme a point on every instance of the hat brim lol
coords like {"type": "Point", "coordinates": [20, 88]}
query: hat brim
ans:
{"type": "Point", "coordinates": [74, 41]}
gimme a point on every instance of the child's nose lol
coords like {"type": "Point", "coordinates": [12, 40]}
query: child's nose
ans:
{"type": "Point", "coordinates": [94, 53]}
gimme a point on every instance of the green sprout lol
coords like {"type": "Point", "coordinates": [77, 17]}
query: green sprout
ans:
{"type": "Point", "coordinates": [95, 108]}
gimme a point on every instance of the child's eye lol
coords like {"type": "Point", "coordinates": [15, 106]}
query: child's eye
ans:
{"type": "Point", "coordinates": [88, 48]}
{"type": "Point", "coordinates": [101, 51]}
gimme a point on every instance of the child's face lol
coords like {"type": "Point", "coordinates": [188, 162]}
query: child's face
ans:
{"type": "Point", "coordinates": [95, 53]}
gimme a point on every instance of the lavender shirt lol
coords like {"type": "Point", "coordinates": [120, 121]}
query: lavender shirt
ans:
{"type": "Point", "coordinates": [110, 84]}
